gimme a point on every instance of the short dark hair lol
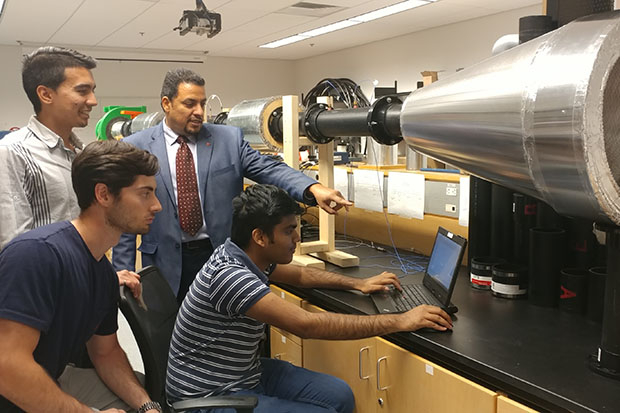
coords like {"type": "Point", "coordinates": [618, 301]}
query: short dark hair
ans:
{"type": "Point", "coordinates": [46, 66]}
{"type": "Point", "coordinates": [113, 163]}
{"type": "Point", "coordinates": [175, 77]}
{"type": "Point", "coordinates": [263, 207]}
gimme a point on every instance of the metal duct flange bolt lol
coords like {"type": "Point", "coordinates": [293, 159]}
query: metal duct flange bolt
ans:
{"type": "Point", "coordinates": [309, 124]}
{"type": "Point", "coordinates": [384, 120]}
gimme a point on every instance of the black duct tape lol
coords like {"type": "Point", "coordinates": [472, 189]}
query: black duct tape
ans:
{"type": "Point", "coordinates": [509, 281]}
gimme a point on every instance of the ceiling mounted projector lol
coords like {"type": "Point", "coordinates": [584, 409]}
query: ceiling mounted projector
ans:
{"type": "Point", "coordinates": [200, 21]}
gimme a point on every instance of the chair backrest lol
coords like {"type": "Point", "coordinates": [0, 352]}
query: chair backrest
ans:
{"type": "Point", "coordinates": [152, 327]}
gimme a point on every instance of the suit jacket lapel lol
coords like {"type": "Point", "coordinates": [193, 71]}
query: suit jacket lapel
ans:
{"type": "Point", "coordinates": [158, 148]}
{"type": "Point", "coordinates": [204, 144]}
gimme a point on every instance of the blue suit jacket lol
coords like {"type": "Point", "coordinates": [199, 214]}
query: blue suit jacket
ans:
{"type": "Point", "coordinates": [224, 158]}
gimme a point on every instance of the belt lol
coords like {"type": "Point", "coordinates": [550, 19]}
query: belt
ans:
{"type": "Point", "coordinates": [197, 244]}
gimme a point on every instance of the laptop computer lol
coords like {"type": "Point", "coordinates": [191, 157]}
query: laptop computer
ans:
{"type": "Point", "coordinates": [438, 282]}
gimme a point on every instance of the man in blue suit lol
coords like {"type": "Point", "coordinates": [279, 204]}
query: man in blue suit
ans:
{"type": "Point", "coordinates": [221, 159]}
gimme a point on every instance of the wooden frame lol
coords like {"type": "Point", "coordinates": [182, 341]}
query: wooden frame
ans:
{"type": "Point", "coordinates": [325, 247]}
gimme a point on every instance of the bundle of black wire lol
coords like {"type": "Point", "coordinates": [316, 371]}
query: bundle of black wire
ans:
{"type": "Point", "coordinates": [342, 89]}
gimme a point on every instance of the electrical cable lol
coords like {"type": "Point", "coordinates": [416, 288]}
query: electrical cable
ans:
{"type": "Point", "coordinates": [343, 89]}
{"type": "Point", "coordinates": [387, 222]}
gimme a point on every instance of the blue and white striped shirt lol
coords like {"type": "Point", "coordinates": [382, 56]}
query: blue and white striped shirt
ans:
{"type": "Point", "coordinates": [214, 347]}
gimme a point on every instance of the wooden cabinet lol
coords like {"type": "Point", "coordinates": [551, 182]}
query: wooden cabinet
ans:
{"type": "Point", "coordinates": [505, 405]}
{"type": "Point", "coordinates": [285, 295]}
{"type": "Point", "coordinates": [386, 378]}
{"type": "Point", "coordinates": [409, 383]}
{"type": "Point", "coordinates": [351, 360]}
{"type": "Point", "coordinates": [283, 348]}
{"type": "Point", "coordinates": [284, 345]}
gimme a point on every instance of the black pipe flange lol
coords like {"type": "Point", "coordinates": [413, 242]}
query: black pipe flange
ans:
{"type": "Point", "coordinates": [275, 124]}
{"type": "Point", "coordinates": [310, 124]}
{"type": "Point", "coordinates": [377, 120]}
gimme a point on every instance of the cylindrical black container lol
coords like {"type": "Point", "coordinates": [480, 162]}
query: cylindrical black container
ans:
{"type": "Point", "coordinates": [481, 273]}
{"type": "Point", "coordinates": [546, 217]}
{"type": "Point", "coordinates": [581, 243]}
{"type": "Point", "coordinates": [479, 239]}
{"type": "Point", "coordinates": [573, 290]}
{"type": "Point", "coordinates": [609, 350]}
{"type": "Point", "coordinates": [547, 257]}
{"type": "Point", "coordinates": [596, 293]}
{"type": "Point", "coordinates": [523, 218]}
{"type": "Point", "coordinates": [501, 222]}
{"type": "Point", "coordinates": [509, 281]}
{"type": "Point", "coordinates": [530, 27]}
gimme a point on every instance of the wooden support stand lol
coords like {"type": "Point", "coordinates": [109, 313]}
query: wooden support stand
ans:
{"type": "Point", "coordinates": [325, 247]}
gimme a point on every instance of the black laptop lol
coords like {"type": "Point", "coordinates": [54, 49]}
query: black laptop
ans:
{"type": "Point", "coordinates": [437, 284]}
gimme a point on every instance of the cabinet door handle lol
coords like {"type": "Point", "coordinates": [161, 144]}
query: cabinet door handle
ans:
{"type": "Point", "coordinates": [359, 363]}
{"type": "Point", "coordinates": [278, 356]}
{"type": "Point", "coordinates": [379, 374]}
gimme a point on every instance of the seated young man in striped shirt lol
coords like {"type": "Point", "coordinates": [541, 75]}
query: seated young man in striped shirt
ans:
{"type": "Point", "coordinates": [214, 347]}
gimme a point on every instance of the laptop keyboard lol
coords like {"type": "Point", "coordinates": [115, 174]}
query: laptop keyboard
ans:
{"type": "Point", "coordinates": [412, 296]}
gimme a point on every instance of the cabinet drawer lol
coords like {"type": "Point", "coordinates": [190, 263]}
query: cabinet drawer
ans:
{"type": "Point", "coordinates": [289, 336]}
{"type": "Point", "coordinates": [409, 383]}
{"type": "Point", "coordinates": [285, 295]}
{"type": "Point", "coordinates": [505, 405]}
{"type": "Point", "coordinates": [284, 349]}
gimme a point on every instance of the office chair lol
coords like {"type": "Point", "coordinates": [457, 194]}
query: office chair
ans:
{"type": "Point", "coordinates": [152, 327]}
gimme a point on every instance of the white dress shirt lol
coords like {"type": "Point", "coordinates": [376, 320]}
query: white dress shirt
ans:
{"type": "Point", "coordinates": [172, 146]}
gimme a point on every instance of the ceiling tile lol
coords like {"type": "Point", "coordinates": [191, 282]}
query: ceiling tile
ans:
{"type": "Point", "coordinates": [154, 23]}
{"type": "Point", "coordinates": [93, 21]}
{"type": "Point", "coordinates": [147, 24]}
{"type": "Point", "coordinates": [20, 17]}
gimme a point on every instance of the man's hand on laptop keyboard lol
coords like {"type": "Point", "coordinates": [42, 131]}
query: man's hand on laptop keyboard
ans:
{"type": "Point", "coordinates": [426, 316]}
{"type": "Point", "coordinates": [379, 283]}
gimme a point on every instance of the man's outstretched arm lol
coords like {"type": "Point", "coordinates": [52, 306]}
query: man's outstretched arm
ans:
{"type": "Point", "coordinates": [277, 312]}
{"type": "Point", "coordinates": [308, 277]}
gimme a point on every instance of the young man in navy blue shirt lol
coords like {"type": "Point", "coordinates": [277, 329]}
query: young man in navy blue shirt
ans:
{"type": "Point", "coordinates": [59, 292]}
{"type": "Point", "coordinates": [214, 347]}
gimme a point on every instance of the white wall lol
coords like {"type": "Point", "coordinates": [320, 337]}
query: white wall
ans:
{"type": "Point", "coordinates": [15, 108]}
{"type": "Point", "coordinates": [139, 83]}
{"type": "Point", "coordinates": [232, 79]}
{"type": "Point", "coordinates": [444, 49]}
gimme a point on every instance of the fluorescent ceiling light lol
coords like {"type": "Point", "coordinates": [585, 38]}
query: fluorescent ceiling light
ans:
{"type": "Point", "coordinates": [362, 18]}
{"type": "Point", "coordinates": [284, 42]}
{"type": "Point", "coordinates": [387, 11]}
{"type": "Point", "coordinates": [329, 28]}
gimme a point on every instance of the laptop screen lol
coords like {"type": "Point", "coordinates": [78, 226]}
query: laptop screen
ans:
{"type": "Point", "coordinates": [444, 259]}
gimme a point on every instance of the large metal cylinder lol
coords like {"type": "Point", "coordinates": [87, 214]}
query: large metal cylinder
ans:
{"type": "Point", "coordinates": [542, 118]}
{"type": "Point", "coordinates": [253, 117]}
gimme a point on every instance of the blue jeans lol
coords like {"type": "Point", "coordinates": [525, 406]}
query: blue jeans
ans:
{"type": "Point", "coordinates": [285, 388]}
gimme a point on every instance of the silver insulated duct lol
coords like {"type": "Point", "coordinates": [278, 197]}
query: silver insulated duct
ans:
{"type": "Point", "coordinates": [542, 118]}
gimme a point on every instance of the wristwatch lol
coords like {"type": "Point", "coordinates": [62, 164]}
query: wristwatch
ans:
{"type": "Point", "coordinates": [149, 406]}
